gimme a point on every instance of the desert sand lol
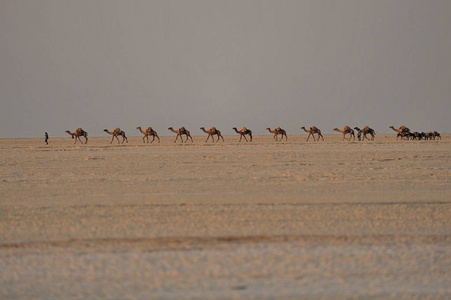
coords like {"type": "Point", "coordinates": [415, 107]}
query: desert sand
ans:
{"type": "Point", "coordinates": [260, 220]}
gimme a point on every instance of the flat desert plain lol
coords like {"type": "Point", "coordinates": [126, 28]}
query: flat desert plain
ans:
{"type": "Point", "coordinates": [261, 220]}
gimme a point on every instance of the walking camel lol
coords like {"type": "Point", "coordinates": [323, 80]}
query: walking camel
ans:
{"type": "Point", "coordinates": [345, 131]}
{"type": "Point", "coordinates": [77, 134]}
{"type": "Point", "coordinates": [278, 131]}
{"type": "Point", "coordinates": [117, 132]}
{"type": "Point", "coordinates": [402, 131]}
{"type": "Point", "coordinates": [149, 132]}
{"type": "Point", "coordinates": [312, 131]}
{"type": "Point", "coordinates": [243, 132]}
{"type": "Point", "coordinates": [436, 135]}
{"type": "Point", "coordinates": [213, 131]}
{"type": "Point", "coordinates": [366, 130]}
{"type": "Point", "coordinates": [180, 132]}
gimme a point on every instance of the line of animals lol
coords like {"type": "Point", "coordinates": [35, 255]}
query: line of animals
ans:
{"type": "Point", "coordinates": [402, 132]}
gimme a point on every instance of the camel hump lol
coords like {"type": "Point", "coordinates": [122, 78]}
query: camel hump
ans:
{"type": "Point", "coordinates": [313, 128]}
{"type": "Point", "coordinates": [213, 129]}
{"type": "Point", "coordinates": [117, 129]}
{"type": "Point", "coordinates": [366, 128]}
{"type": "Point", "coordinates": [79, 130]}
{"type": "Point", "coordinates": [277, 128]}
{"type": "Point", "coordinates": [182, 129]}
{"type": "Point", "coordinates": [244, 129]}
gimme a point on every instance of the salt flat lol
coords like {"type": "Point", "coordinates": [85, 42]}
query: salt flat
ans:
{"type": "Point", "coordinates": [258, 220]}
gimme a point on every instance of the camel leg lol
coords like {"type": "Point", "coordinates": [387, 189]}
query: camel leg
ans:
{"type": "Point", "coordinates": [244, 138]}
{"type": "Point", "coordinates": [250, 137]}
{"type": "Point", "coordinates": [153, 139]}
{"type": "Point", "coordinates": [158, 138]}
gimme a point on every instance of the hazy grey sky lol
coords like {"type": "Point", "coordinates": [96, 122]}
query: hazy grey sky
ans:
{"type": "Point", "coordinates": [106, 64]}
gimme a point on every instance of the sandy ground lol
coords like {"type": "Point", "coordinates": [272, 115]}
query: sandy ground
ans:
{"type": "Point", "coordinates": [260, 220]}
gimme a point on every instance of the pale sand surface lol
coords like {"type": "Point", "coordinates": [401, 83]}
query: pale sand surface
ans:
{"type": "Point", "coordinates": [260, 220]}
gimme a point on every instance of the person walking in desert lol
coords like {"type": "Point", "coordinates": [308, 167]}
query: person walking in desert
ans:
{"type": "Point", "coordinates": [46, 138]}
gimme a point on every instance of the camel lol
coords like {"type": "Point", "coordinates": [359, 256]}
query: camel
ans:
{"type": "Point", "coordinates": [149, 131]}
{"type": "Point", "coordinates": [278, 131]}
{"type": "Point", "coordinates": [213, 131]}
{"type": "Point", "coordinates": [77, 134]}
{"type": "Point", "coordinates": [345, 131]}
{"type": "Point", "coordinates": [312, 131]}
{"type": "Point", "coordinates": [436, 135]}
{"type": "Point", "coordinates": [402, 130]}
{"type": "Point", "coordinates": [366, 130]}
{"type": "Point", "coordinates": [243, 133]}
{"type": "Point", "coordinates": [117, 132]}
{"type": "Point", "coordinates": [180, 132]}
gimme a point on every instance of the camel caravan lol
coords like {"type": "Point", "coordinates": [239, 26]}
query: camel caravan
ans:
{"type": "Point", "coordinates": [405, 133]}
{"type": "Point", "coordinates": [348, 133]}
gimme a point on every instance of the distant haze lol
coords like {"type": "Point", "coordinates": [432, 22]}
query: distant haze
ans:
{"type": "Point", "coordinates": [106, 64]}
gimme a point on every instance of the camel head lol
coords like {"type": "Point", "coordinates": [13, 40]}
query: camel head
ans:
{"type": "Point", "coordinates": [70, 133]}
